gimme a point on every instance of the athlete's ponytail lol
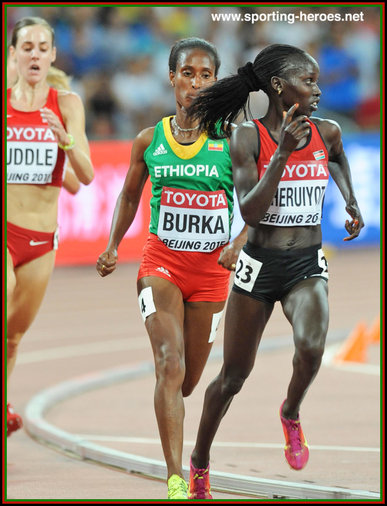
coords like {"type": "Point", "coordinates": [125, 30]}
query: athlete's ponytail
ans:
{"type": "Point", "coordinates": [216, 107]}
{"type": "Point", "coordinates": [219, 105]}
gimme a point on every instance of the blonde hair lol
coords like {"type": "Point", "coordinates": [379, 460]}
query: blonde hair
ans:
{"type": "Point", "coordinates": [58, 79]}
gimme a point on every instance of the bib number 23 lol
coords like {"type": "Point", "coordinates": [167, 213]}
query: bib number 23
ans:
{"type": "Point", "coordinates": [246, 271]}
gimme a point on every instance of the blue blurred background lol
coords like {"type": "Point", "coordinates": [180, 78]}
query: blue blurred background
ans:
{"type": "Point", "coordinates": [117, 57]}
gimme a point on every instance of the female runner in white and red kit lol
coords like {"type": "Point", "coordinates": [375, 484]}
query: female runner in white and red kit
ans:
{"type": "Point", "coordinates": [43, 125]}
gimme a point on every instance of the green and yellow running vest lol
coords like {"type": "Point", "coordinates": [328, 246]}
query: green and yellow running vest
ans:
{"type": "Point", "coordinates": [192, 191]}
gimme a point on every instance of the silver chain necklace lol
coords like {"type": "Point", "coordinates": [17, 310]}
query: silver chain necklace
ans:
{"type": "Point", "coordinates": [176, 126]}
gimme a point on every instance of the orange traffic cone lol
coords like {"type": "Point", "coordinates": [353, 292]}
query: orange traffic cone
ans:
{"type": "Point", "coordinates": [354, 348]}
{"type": "Point", "coordinates": [373, 335]}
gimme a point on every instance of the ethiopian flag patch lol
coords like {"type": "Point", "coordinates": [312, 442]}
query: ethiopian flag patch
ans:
{"type": "Point", "coordinates": [215, 146]}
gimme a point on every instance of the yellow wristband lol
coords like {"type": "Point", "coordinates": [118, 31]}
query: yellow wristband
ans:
{"type": "Point", "coordinates": [68, 146]}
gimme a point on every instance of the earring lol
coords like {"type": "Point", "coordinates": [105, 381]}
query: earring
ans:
{"type": "Point", "coordinates": [279, 91]}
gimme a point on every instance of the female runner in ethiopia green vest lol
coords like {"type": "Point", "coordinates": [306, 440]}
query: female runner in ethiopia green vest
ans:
{"type": "Point", "coordinates": [183, 279]}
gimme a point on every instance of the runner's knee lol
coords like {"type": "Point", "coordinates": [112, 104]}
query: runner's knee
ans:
{"type": "Point", "coordinates": [170, 366]}
{"type": "Point", "coordinates": [232, 384]}
{"type": "Point", "coordinates": [311, 350]}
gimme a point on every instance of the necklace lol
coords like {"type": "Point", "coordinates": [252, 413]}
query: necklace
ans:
{"type": "Point", "coordinates": [177, 127]}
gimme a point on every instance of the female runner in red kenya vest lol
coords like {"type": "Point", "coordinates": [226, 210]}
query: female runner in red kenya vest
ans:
{"type": "Point", "coordinates": [280, 168]}
{"type": "Point", "coordinates": [43, 126]}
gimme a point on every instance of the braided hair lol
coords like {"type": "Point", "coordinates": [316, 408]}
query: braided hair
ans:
{"type": "Point", "coordinates": [217, 107]}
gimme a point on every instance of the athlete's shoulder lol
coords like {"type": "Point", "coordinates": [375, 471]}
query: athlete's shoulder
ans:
{"type": "Point", "coordinates": [245, 141]}
{"type": "Point", "coordinates": [146, 134]}
{"type": "Point", "coordinates": [245, 131]}
{"type": "Point", "coordinates": [329, 128]}
{"type": "Point", "coordinates": [229, 127]}
{"type": "Point", "coordinates": [145, 137]}
{"type": "Point", "coordinates": [247, 126]}
{"type": "Point", "coordinates": [68, 98]}
{"type": "Point", "coordinates": [70, 103]}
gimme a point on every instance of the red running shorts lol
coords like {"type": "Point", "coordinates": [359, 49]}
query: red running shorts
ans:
{"type": "Point", "coordinates": [26, 245]}
{"type": "Point", "coordinates": [198, 275]}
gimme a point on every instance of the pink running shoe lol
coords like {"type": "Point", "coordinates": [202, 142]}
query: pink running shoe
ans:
{"type": "Point", "coordinates": [14, 421]}
{"type": "Point", "coordinates": [199, 483]}
{"type": "Point", "coordinates": [296, 448]}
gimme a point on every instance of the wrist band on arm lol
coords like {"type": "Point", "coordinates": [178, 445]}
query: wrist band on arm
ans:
{"type": "Point", "coordinates": [68, 146]}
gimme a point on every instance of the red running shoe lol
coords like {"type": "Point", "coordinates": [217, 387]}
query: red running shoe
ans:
{"type": "Point", "coordinates": [14, 421]}
{"type": "Point", "coordinates": [296, 448]}
{"type": "Point", "coordinates": [199, 483]}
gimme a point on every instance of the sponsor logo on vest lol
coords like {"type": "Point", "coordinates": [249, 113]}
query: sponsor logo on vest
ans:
{"type": "Point", "coordinates": [193, 199]}
{"type": "Point", "coordinates": [304, 170]}
{"type": "Point", "coordinates": [192, 220]}
{"type": "Point", "coordinates": [160, 150]}
{"type": "Point", "coordinates": [31, 134]}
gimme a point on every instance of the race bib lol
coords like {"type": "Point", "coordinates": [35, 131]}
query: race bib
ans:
{"type": "Point", "coordinates": [322, 262]}
{"type": "Point", "coordinates": [31, 154]}
{"type": "Point", "coordinates": [300, 193]}
{"type": "Point", "coordinates": [192, 220]}
{"type": "Point", "coordinates": [246, 271]}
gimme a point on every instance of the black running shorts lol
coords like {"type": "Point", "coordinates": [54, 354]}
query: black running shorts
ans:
{"type": "Point", "coordinates": [269, 274]}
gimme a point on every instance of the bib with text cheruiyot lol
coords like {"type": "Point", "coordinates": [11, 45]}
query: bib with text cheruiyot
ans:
{"type": "Point", "coordinates": [299, 197]}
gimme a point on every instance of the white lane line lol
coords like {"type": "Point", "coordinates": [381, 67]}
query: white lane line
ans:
{"type": "Point", "coordinates": [142, 342]}
{"type": "Point", "coordinates": [133, 343]}
{"type": "Point", "coordinates": [38, 427]}
{"type": "Point", "coordinates": [223, 444]}
{"type": "Point", "coordinates": [78, 350]}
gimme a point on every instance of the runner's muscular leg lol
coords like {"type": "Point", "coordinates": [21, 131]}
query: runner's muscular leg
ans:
{"type": "Point", "coordinates": [245, 321]}
{"type": "Point", "coordinates": [165, 329]}
{"type": "Point", "coordinates": [30, 284]}
{"type": "Point", "coordinates": [199, 317]}
{"type": "Point", "coordinates": [306, 308]}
